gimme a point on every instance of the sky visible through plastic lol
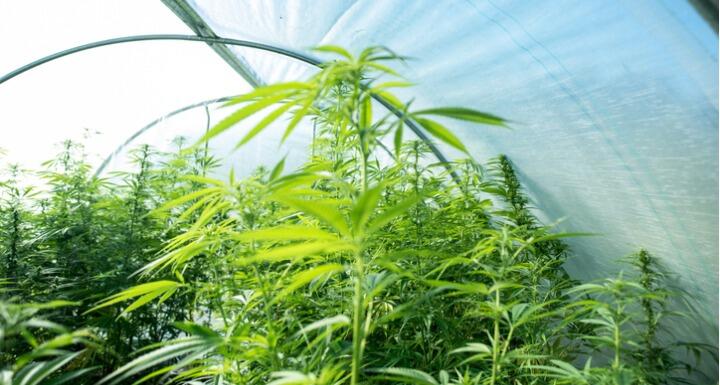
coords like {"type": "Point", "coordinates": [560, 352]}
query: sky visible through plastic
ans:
{"type": "Point", "coordinates": [107, 93]}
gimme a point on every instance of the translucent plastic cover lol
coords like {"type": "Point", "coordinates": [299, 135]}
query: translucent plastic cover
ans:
{"type": "Point", "coordinates": [614, 107]}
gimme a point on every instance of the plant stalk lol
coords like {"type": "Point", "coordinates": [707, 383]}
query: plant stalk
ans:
{"type": "Point", "coordinates": [358, 335]}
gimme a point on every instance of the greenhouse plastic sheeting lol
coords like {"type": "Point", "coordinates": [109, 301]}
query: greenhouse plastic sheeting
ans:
{"type": "Point", "coordinates": [115, 90]}
{"type": "Point", "coordinates": [614, 104]}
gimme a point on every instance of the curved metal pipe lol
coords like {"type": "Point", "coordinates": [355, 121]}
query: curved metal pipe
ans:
{"type": "Point", "coordinates": [162, 37]}
{"type": "Point", "coordinates": [153, 123]}
{"type": "Point", "coordinates": [161, 119]}
{"type": "Point", "coordinates": [235, 42]}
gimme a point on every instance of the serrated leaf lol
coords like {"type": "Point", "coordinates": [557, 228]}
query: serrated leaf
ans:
{"type": "Point", "coordinates": [390, 84]}
{"type": "Point", "coordinates": [286, 233]}
{"type": "Point", "coordinates": [264, 122]}
{"type": "Point", "coordinates": [326, 211]}
{"type": "Point", "coordinates": [296, 251]}
{"type": "Point", "coordinates": [390, 99]}
{"type": "Point", "coordinates": [297, 117]}
{"type": "Point", "coordinates": [338, 320]}
{"type": "Point", "coordinates": [365, 113]}
{"type": "Point", "coordinates": [407, 375]}
{"type": "Point", "coordinates": [172, 349]}
{"type": "Point", "coordinates": [204, 180]}
{"type": "Point", "coordinates": [240, 115]}
{"type": "Point", "coordinates": [334, 49]}
{"type": "Point", "coordinates": [149, 290]}
{"type": "Point", "coordinates": [390, 214]}
{"type": "Point", "coordinates": [440, 132]}
{"type": "Point", "coordinates": [278, 169]}
{"type": "Point", "coordinates": [364, 207]}
{"type": "Point", "coordinates": [306, 276]}
{"type": "Point", "coordinates": [188, 197]}
{"type": "Point", "coordinates": [466, 114]}
{"type": "Point", "coordinates": [473, 347]}
{"type": "Point", "coordinates": [268, 90]}
{"type": "Point", "coordinates": [398, 139]}
{"type": "Point", "coordinates": [36, 373]}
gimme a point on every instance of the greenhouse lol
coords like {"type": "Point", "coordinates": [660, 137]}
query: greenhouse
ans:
{"type": "Point", "coordinates": [477, 192]}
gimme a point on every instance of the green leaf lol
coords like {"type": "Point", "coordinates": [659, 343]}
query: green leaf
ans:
{"type": "Point", "coordinates": [296, 251]}
{"type": "Point", "coordinates": [278, 169]}
{"type": "Point", "coordinates": [260, 92]}
{"type": "Point", "coordinates": [398, 138]}
{"type": "Point", "coordinates": [197, 330]}
{"type": "Point", "coordinates": [567, 368]}
{"type": "Point", "coordinates": [440, 132]}
{"type": "Point", "coordinates": [147, 298]}
{"type": "Point", "coordinates": [188, 197]}
{"type": "Point", "coordinates": [35, 373]}
{"type": "Point", "coordinates": [377, 283]}
{"type": "Point", "coordinates": [469, 288]}
{"type": "Point", "coordinates": [51, 304]}
{"type": "Point", "coordinates": [382, 68]}
{"type": "Point", "coordinates": [499, 286]}
{"type": "Point", "coordinates": [171, 350]}
{"type": "Point", "coordinates": [71, 375]}
{"type": "Point", "coordinates": [286, 182]}
{"type": "Point", "coordinates": [390, 84]}
{"type": "Point", "coordinates": [297, 117]}
{"type": "Point", "coordinates": [555, 372]}
{"type": "Point", "coordinates": [390, 99]}
{"type": "Point", "coordinates": [175, 257]}
{"type": "Point", "coordinates": [388, 215]}
{"type": "Point", "coordinates": [287, 377]}
{"type": "Point", "coordinates": [364, 207]}
{"type": "Point", "coordinates": [285, 233]}
{"type": "Point", "coordinates": [146, 292]}
{"type": "Point", "coordinates": [366, 113]}
{"type": "Point", "coordinates": [406, 375]}
{"type": "Point", "coordinates": [465, 114]}
{"type": "Point", "coordinates": [326, 211]}
{"type": "Point", "coordinates": [204, 180]}
{"type": "Point", "coordinates": [338, 320]}
{"type": "Point", "coordinates": [57, 342]}
{"type": "Point", "coordinates": [264, 122]}
{"type": "Point", "coordinates": [473, 347]}
{"type": "Point", "coordinates": [336, 50]}
{"type": "Point", "coordinates": [551, 237]}
{"type": "Point", "coordinates": [207, 200]}
{"type": "Point", "coordinates": [239, 115]}
{"type": "Point", "coordinates": [209, 212]}
{"type": "Point", "coordinates": [306, 276]}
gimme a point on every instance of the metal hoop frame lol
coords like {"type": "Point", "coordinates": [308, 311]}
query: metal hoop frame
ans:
{"type": "Point", "coordinates": [234, 42]}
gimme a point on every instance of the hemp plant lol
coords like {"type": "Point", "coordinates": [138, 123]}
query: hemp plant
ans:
{"type": "Point", "coordinates": [336, 223]}
{"type": "Point", "coordinates": [370, 263]}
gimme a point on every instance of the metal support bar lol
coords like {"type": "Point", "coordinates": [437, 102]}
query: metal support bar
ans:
{"type": "Point", "coordinates": [152, 124]}
{"type": "Point", "coordinates": [242, 43]}
{"type": "Point", "coordinates": [162, 37]}
{"type": "Point", "coordinates": [161, 119]}
{"type": "Point", "coordinates": [195, 22]}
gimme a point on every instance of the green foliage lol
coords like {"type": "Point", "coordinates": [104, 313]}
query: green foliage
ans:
{"type": "Point", "coordinates": [354, 268]}
{"type": "Point", "coordinates": [79, 239]}
{"type": "Point", "coordinates": [34, 350]}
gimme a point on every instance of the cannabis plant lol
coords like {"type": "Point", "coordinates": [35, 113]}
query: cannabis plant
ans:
{"type": "Point", "coordinates": [372, 262]}
{"type": "Point", "coordinates": [34, 350]}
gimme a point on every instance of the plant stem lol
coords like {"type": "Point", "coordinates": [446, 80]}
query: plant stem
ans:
{"type": "Point", "coordinates": [616, 338]}
{"type": "Point", "coordinates": [358, 337]}
{"type": "Point", "coordinates": [363, 173]}
{"type": "Point", "coordinates": [617, 320]}
{"type": "Point", "coordinates": [496, 337]}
